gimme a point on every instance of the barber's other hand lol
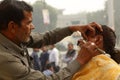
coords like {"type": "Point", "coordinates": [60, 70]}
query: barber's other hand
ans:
{"type": "Point", "coordinates": [84, 28]}
{"type": "Point", "coordinates": [87, 51]}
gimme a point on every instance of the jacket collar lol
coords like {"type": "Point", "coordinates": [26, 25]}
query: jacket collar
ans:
{"type": "Point", "coordinates": [6, 43]}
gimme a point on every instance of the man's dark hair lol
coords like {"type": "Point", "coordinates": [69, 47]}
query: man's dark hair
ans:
{"type": "Point", "coordinates": [48, 66]}
{"type": "Point", "coordinates": [12, 10]}
{"type": "Point", "coordinates": [109, 41]}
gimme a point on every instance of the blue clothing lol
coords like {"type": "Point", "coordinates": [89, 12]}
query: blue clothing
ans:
{"type": "Point", "coordinates": [47, 72]}
{"type": "Point", "coordinates": [36, 61]}
{"type": "Point", "coordinates": [44, 58]}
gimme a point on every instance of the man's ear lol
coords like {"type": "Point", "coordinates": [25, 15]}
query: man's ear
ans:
{"type": "Point", "coordinates": [98, 39]}
{"type": "Point", "coordinates": [11, 26]}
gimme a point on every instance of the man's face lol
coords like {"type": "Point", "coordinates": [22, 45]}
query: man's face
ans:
{"type": "Point", "coordinates": [22, 32]}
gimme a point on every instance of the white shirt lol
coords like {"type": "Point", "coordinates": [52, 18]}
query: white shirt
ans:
{"type": "Point", "coordinates": [54, 56]}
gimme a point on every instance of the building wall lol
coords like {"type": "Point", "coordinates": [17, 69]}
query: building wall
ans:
{"type": "Point", "coordinates": [66, 20]}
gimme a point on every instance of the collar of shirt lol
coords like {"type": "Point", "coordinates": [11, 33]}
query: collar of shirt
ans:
{"type": "Point", "coordinates": [9, 45]}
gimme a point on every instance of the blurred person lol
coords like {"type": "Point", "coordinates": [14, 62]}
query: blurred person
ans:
{"type": "Point", "coordinates": [48, 70]}
{"type": "Point", "coordinates": [54, 57]}
{"type": "Point", "coordinates": [70, 55]}
{"type": "Point", "coordinates": [15, 36]}
{"type": "Point", "coordinates": [102, 66]}
{"type": "Point", "coordinates": [44, 57]}
{"type": "Point", "coordinates": [36, 61]}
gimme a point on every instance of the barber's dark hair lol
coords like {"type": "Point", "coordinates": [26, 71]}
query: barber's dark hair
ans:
{"type": "Point", "coordinates": [12, 10]}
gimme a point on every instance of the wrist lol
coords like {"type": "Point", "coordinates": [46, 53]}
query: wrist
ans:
{"type": "Point", "coordinates": [72, 28]}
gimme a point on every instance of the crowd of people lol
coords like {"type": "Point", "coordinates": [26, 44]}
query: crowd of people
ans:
{"type": "Point", "coordinates": [91, 62]}
{"type": "Point", "coordinates": [46, 57]}
{"type": "Point", "coordinates": [49, 57]}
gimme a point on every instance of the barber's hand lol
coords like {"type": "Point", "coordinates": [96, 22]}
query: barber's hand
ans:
{"type": "Point", "coordinates": [87, 51]}
{"type": "Point", "coordinates": [84, 28]}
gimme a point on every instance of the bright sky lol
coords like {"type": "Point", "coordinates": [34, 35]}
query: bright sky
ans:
{"type": "Point", "coordinates": [75, 6]}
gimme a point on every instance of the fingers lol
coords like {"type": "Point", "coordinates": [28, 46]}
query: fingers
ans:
{"type": "Point", "coordinates": [95, 25]}
{"type": "Point", "coordinates": [81, 42]}
{"type": "Point", "coordinates": [91, 30]}
{"type": "Point", "coordinates": [87, 51]}
{"type": "Point", "coordinates": [84, 36]}
{"type": "Point", "coordinates": [90, 46]}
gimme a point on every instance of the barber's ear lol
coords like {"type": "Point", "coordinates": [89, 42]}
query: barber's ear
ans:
{"type": "Point", "coordinates": [11, 26]}
{"type": "Point", "coordinates": [98, 39]}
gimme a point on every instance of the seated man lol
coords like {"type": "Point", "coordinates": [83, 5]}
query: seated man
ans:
{"type": "Point", "coordinates": [70, 54]}
{"type": "Point", "coordinates": [100, 67]}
